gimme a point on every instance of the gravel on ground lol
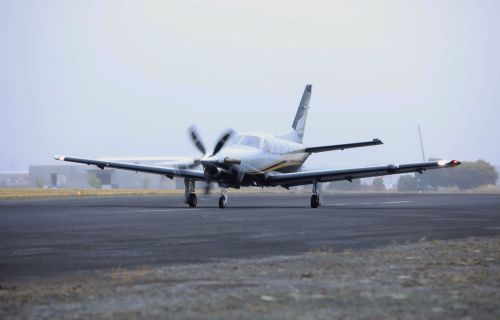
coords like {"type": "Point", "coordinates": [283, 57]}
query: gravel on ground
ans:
{"type": "Point", "coordinates": [457, 279]}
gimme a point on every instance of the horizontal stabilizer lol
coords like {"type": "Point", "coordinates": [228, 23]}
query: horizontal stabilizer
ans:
{"type": "Point", "coordinates": [374, 142]}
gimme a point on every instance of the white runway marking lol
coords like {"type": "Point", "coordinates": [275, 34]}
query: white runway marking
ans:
{"type": "Point", "coordinates": [164, 210]}
{"type": "Point", "coordinates": [366, 203]}
{"type": "Point", "coordinates": [396, 202]}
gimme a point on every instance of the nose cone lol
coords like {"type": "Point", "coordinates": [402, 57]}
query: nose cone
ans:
{"type": "Point", "coordinates": [209, 160]}
{"type": "Point", "coordinates": [247, 157]}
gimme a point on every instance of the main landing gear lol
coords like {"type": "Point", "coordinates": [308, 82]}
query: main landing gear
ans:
{"type": "Point", "coordinates": [315, 202]}
{"type": "Point", "coordinates": [191, 199]}
{"type": "Point", "coordinates": [189, 195]}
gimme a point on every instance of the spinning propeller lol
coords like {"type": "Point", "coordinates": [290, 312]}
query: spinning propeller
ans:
{"type": "Point", "coordinates": [211, 163]}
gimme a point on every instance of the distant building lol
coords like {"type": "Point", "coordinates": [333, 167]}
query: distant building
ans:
{"type": "Point", "coordinates": [497, 169]}
{"type": "Point", "coordinates": [14, 180]}
{"type": "Point", "coordinates": [80, 176]}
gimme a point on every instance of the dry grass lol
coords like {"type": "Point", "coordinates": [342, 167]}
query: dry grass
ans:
{"type": "Point", "coordinates": [18, 193]}
{"type": "Point", "coordinates": [486, 189]}
{"type": "Point", "coordinates": [130, 276]}
{"type": "Point", "coordinates": [42, 193]}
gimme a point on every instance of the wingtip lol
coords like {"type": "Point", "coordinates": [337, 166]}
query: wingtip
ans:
{"type": "Point", "coordinates": [452, 163]}
{"type": "Point", "coordinates": [455, 163]}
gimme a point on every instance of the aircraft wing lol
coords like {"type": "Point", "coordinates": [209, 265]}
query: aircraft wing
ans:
{"type": "Point", "coordinates": [169, 172]}
{"type": "Point", "coordinates": [163, 160]}
{"type": "Point", "coordinates": [308, 177]}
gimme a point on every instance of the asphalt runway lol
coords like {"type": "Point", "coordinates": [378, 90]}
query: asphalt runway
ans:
{"type": "Point", "coordinates": [48, 237]}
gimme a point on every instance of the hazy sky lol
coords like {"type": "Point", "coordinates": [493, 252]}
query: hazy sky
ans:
{"type": "Point", "coordinates": [126, 78]}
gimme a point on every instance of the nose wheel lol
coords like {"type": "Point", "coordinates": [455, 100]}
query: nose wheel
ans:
{"type": "Point", "coordinates": [189, 195]}
{"type": "Point", "coordinates": [192, 200]}
{"type": "Point", "coordinates": [223, 200]}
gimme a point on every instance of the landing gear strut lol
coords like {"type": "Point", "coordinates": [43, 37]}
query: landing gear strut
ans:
{"type": "Point", "coordinates": [223, 199]}
{"type": "Point", "coordinates": [189, 195]}
{"type": "Point", "coordinates": [315, 202]}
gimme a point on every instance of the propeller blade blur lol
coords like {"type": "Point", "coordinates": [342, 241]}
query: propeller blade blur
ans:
{"type": "Point", "coordinates": [187, 165]}
{"type": "Point", "coordinates": [195, 137]}
{"type": "Point", "coordinates": [222, 141]}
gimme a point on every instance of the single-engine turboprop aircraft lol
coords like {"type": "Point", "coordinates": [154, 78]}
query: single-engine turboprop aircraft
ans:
{"type": "Point", "coordinates": [255, 159]}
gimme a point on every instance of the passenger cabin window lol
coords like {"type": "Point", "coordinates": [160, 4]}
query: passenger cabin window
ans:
{"type": "Point", "coordinates": [274, 148]}
{"type": "Point", "coordinates": [250, 141]}
{"type": "Point", "coordinates": [282, 147]}
{"type": "Point", "coordinates": [267, 146]}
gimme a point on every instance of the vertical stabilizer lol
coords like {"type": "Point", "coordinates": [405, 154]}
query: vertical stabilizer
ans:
{"type": "Point", "coordinates": [299, 123]}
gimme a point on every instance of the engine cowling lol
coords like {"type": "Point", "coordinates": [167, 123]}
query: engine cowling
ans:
{"type": "Point", "coordinates": [211, 172]}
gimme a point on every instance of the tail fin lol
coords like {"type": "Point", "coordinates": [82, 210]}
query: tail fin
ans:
{"type": "Point", "coordinates": [299, 123]}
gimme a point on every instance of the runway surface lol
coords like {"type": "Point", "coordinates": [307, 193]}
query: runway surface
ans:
{"type": "Point", "coordinates": [47, 237]}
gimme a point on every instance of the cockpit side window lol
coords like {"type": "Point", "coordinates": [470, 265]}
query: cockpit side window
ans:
{"type": "Point", "coordinates": [267, 146]}
{"type": "Point", "coordinates": [233, 140]}
{"type": "Point", "coordinates": [250, 141]}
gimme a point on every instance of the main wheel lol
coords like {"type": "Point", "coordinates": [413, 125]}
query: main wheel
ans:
{"type": "Point", "coordinates": [192, 200]}
{"type": "Point", "coordinates": [222, 202]}
{"type": "Point", "coordinates": [314, 201]}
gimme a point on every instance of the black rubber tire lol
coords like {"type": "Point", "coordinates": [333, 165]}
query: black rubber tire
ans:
{"type": "Point", "coordinates": [314, 201]}
{"type": "Point", "coordinates": [222, 202]}
{"type": "Point", "coordinates": [192, 200]}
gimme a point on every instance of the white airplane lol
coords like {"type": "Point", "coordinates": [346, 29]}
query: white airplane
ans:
{"type": "Point", "coordinates": [256, 159]}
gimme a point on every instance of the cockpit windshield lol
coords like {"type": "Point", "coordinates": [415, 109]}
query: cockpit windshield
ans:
{"type": "Point", "coordinates": [250, 141]}
{"type": "Point", "coordinates": [245, 140]}
{"type": "Point", "coordinates": [233, 140]}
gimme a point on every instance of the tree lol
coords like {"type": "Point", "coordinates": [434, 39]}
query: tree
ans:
{"type": "Point", "coordinates": [378, 184]}
{"type": "Point", "coordinates": [346, 185]}
{"type": "Point", "coordinates": [145, 182]}
{"type": "Point", "coordinates": [474, 174]}
{"type": "Point", "coordinates": [468, 175]}
{"type": "Point", "coordinates": [407, 183]}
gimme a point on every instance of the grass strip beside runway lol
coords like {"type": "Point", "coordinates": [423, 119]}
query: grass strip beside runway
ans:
{"type": "Point", "coordinates": [43, 193]}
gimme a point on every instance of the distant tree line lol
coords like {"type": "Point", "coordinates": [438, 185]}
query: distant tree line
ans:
{"type": "Point", "coordinates": [468, 175]}
{"type": "Point", "coordinates": [355, 185]}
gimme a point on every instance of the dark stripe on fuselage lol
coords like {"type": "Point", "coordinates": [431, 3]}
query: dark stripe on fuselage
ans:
{"type": "Point", "coordinates": [290, 168]}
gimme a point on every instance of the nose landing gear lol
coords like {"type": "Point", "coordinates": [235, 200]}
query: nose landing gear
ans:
{"type": "Point", "coordinates": [189, 195]}
{"type": "Point", "coordinates": [193, 200]}
{"type": "Point", "coordinates": [223, 199]}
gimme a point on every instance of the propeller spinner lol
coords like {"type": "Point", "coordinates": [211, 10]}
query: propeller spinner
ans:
{"type": "Point", "coordinates": [210, 162]}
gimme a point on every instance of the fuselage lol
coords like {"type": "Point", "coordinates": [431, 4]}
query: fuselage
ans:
{"type": "Point", "coordinates": [259, 154]}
